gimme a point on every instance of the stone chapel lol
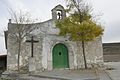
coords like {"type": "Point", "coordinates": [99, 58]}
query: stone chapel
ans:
{"type": "Point", "coordinates": [51, 51]}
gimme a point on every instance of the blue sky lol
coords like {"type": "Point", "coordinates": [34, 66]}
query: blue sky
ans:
{"type": "Point", "coordinates": [41, 9]}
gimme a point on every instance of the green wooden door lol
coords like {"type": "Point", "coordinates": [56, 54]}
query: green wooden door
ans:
{"type": "Point", "coordinates": [60, 56]}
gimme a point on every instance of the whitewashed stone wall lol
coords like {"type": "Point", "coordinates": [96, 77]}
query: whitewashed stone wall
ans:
{"type": "Point", "coordinates": [47, 35]}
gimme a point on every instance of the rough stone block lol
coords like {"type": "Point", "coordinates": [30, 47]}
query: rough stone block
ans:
{"type": "Point", "coordinates": [32, 66]}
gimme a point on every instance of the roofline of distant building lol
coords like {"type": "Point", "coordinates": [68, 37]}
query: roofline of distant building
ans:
{"type": "Point", "coordinates": [111, 42]}
{"type": "Point", "coordinates": [3, 54]}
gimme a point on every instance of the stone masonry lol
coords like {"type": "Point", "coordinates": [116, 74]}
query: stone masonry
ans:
{"type": "Point", "coordinates": [47, 35]}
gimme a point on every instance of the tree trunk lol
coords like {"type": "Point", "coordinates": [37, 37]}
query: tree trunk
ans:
{"type": "Point", "coordinates": [19, 48]}
{"type": "Point", "coordinates": [84, 56]}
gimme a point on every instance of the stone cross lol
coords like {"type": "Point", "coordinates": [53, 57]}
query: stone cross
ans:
{"type": "Point", "coordinates": [32, 41]}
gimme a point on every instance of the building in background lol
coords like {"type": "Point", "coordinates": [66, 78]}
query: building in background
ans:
{"type": "Point", "coordinates": [3, 61]}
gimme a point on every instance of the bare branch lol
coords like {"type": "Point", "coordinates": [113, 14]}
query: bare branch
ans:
{"type": "Point", "coordinates": [21, 27]}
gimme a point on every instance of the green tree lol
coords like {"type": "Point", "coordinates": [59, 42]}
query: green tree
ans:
{"type": "Point", "coordinates": [80, 24]}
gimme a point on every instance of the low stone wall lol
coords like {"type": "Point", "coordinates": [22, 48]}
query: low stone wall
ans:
{"type": "Point", "coordinates": [112, 58]}
{"type": "Point", "coordinates": [111, 52]}
{"type": "Point", "coordinates": [111, 48]}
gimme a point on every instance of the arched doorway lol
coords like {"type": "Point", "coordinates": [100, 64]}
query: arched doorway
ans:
{"type": "Point", "coordinates": [60, 56]}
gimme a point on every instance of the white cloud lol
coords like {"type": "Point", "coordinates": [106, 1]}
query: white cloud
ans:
{"type": "Point", "coordinates": [17, 5]}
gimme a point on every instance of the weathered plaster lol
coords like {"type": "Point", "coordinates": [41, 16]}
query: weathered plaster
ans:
{"type": "Point", "coordinates": [47, 35]}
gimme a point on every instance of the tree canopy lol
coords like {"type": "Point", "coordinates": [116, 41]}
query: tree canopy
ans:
{"type": "Point", "coordinates": [79, 24]}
